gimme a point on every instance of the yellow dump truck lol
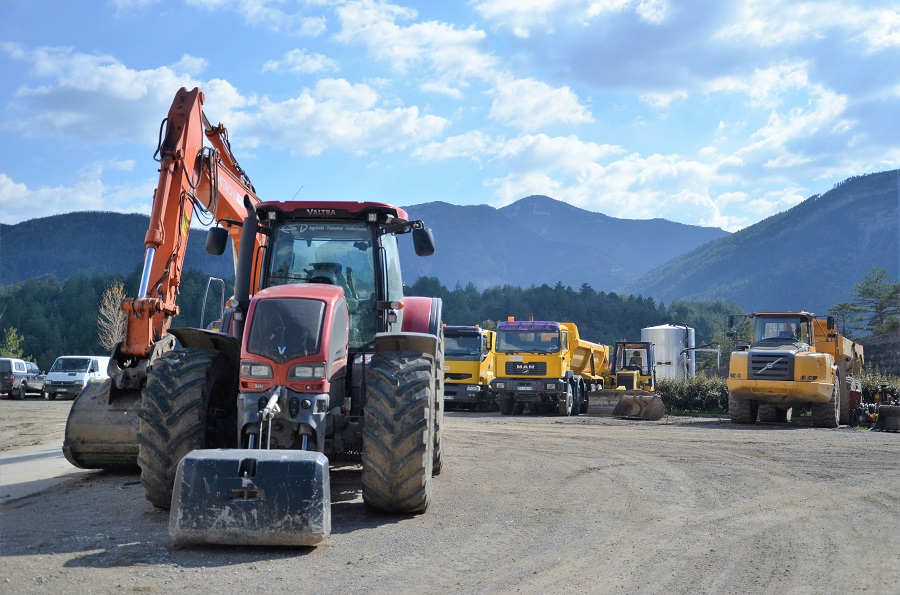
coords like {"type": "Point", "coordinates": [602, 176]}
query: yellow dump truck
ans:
{"type": "Point", "coordinates": [794, 359]}
{"type": "Point", "coordinates": [547, 367]}
{"type": "Point", "coordinates": [632, 390]}
{"type": "Point", "coordinates": [469, 360]}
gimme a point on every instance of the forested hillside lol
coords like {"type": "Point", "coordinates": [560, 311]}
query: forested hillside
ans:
{"type": "Point", "coordinates": [806, 258]}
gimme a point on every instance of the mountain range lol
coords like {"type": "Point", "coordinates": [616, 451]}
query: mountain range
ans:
{"type": "Point", "coordinates": [808, 257]}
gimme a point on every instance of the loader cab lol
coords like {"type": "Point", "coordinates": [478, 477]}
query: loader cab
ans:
{"type": "Point", "coordinates": [634, 365]}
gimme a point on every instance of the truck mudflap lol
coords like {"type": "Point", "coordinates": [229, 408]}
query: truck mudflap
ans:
{"type": "Point", "coordinates": [888, 419]}
{"type": "Point", "coordinates": [101, 430]}
{"type": "Point", "coordinates": [251, 497]}
{"type": "Point", "coordinates": [625, 404]}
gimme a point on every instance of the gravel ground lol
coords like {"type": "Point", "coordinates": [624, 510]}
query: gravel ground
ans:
{"type": "Point", "coordinates": [526, 504]}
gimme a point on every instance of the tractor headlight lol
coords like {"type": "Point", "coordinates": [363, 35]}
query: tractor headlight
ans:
{"type": "Point", "coordinates": [256, 370]}
{"type": "Point", "coordinates": [308, 371]}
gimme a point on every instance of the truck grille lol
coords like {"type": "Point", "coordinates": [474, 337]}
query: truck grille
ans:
{"type": "Point", "coordinates": [771, 366]}
{"type": "Point", "coordinates": [526, 368]}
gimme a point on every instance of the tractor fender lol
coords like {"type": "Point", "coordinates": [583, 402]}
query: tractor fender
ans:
{"type": "Point", "coordinates": [412, 342]}
{"type": "Point", "coordinates": [194, 338]}
{"type": "Point", "coordinates": [422, 315]}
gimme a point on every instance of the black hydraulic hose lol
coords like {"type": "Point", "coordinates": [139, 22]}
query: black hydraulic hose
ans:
{"type": "Point", "coordinates": [244, 268]}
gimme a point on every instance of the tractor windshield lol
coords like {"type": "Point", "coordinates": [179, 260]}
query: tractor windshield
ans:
{"type": "Point", "coordinates": [339, 253]}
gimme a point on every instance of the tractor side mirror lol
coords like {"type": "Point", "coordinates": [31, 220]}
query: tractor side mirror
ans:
{"type": "Point", "coordinates": [730, 323]}
{"type": "Point", "coordinates": [216, 240]}
{"type": "Point", "coordinates": [423, 241]}
{"type": "Point", "coordinates": [830, 323]}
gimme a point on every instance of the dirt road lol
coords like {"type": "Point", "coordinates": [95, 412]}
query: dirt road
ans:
{"type": "Point", "coordinates": [525, 504]}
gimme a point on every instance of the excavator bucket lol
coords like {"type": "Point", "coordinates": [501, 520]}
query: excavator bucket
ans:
{"type": "Point", "coordinates": [101, 431]}
{"type": "Point", "coordinates": [625, 404]}
{"type": "Point", "coordinates": [888, 419]}
{"type": "Point", "coordinates": [251, 497]}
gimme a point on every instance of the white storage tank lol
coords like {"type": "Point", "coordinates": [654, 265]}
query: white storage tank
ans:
{"type": "Point", "coordinates": [673, 350]}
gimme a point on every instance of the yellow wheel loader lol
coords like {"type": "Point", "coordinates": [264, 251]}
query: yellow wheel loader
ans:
{"type": "Point", "coordinates": [633, 384]}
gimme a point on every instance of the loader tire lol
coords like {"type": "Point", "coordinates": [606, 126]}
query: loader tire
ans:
{"type": "Point", "coordinates": [773, 414]}
{"type": "Point", "coordinates": [827, 415]}
{"type": "Point", "coordinates": [398, 432]}
{"type": "Point", "coordinates": [175, 417]}
{"type": "Point", "coordinates": [506, 406]}
{"type": "Point", "coordinates": [742, 412]}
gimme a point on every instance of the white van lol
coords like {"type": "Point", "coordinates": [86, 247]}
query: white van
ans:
{"type": "Point", "coordinates": [70, 373]}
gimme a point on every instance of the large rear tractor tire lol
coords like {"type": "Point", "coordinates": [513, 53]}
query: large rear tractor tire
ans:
{"type": "Point", "coordinates": [827, 415]}
{"type": "Point", "coordinates": [175, 416]}
{"type": "Point", "coordinates": [398, 433]}
{"type": "Point", "coordinates": [741, 411]}
{"type": "Point", "coordinates": [772, 414]}
{"type": "Point", "coordinates": [438, 455]}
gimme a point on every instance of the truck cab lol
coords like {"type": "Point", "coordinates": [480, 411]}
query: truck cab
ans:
{"type": "Point", "coordinates": [469, 362]}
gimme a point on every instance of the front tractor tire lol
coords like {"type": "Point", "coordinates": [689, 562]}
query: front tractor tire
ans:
{"type": "Point", "coordinates": [398, 432]}
{"type": "Point", "coordinates": [741, 411]}
{"type": "Point", "coordinates": [176, 416]}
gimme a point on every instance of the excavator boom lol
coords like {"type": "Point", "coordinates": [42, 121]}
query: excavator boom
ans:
{"type": "Point", "coordinates": [194, 180]}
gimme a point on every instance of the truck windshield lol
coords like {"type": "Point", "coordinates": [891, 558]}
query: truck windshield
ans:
{"type": "Point", "coordinates": [780, 330]}
{"type": "Point", "coordinates": [339, 253]}
{"type": "Point", "coordinates": [71, 364]}
{"type": "Point", "coordinates": [466, 347]}
{"type": "Point", "coordinates": [514, 341]}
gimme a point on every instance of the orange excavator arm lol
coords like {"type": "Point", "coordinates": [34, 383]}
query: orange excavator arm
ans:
{"type": "Point", "coordinates": [193, 179]}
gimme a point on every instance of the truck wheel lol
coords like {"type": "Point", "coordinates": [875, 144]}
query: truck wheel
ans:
{"type": "Point", "coordinates": [742, 412]}
{"type": "Point", "coordinates": [827, 415]}
{"type": "Point", "coordinates": [21, 392]}
{"type": "Point", "coordinates": [506, 406]}
{"type": "Point", "coordinates": [398, 432]}
{"type": "Point", "coordinates": [564, 407]}
{"type": "Point", "coordinates": [175, 416]}
{"type": "Point", "coordinates": [773, 414]}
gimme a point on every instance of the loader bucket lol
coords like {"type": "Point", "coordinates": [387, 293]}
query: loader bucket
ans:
{"type": "Point", "coordinates": [251, 497]}
{"type": "Point", "coordinates": [888, 419]}
{"type": "Point", "coordinates": [101, 431]}
{"type": "Point", "coordinates": [625, 404]}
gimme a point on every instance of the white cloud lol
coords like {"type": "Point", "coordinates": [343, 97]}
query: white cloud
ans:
{"type": "Point", "coordinates": [447, 52]}
{"type": "Point", "coordinates": [531, 104]}
{"type": "Point", "coordinates": [522, 17]}
{"type": "Point", "coordinates": [268, 14]}
{"type": "Point", "coordinates": [339, 115]}
{"type": "Point", "coordinates": [302, 62]}
{"type": "Point", "coordinates": [87, 193]}
{"type": "Point", "coordinates": [770, 23]}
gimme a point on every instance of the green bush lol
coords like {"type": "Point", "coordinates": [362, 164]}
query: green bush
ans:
{"type": "Point", "coordinates": [700, 394]}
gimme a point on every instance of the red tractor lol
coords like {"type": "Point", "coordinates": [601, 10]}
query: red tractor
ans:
{"type": "Point", "coordinates": [323, 360]}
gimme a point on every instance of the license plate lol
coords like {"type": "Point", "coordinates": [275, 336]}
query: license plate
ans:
{"type": "Point", "coordinates": [524, 388]}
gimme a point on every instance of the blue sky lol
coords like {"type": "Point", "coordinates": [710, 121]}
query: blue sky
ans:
{"type": "Point", "coordinates": [703, 112]}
